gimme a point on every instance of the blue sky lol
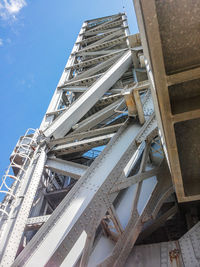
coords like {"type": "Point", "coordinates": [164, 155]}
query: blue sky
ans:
{"type": "Point", "coordinates": [36, 38]}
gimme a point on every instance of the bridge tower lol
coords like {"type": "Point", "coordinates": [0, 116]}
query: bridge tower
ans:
{"type": "Point", "coordinates": [93, 183]}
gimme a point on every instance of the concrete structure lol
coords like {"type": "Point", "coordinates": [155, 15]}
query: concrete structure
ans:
{"type": "Point", "coordinates": [70, 203]}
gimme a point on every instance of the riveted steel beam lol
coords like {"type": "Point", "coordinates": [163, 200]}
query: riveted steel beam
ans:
{"type": "Point", "coordinates": [93, 61]}
{"type": "Point", "coordinates": [141, 209]}
{"type": "Point", "coordinates": [82, 135]}
{"type": "Point", "coordinates": [9, 252]}
{"type": "Point", "coordinates": [97, 37]}
{"type": "Point", "coordinates": [80, 146]}
{"type": "Point", "coordinates": [98, 117]}
{"type": "Point", "coordinates": [34, 223]}
{"type": "Point", "coordinates": [65, 167]}
{"type": "Point", "coordinates": [100, 46]}
{"type": "Point", "coordinates": [68, 118]}
{"type": "Point", "coordinates": [103, 18]}
{"type": "Point", "coordinates": [115, 33]}
{"type": "Point", "coordinates": [134, 179]}
{"type": "Point", "coordinates": [104, 28]}
{"type": "Point", "coordinates": [100, 67]}
{"type": "Point", "coordinates": [104, 165]}
{"type": "Point", "coordinates": [122, 142]}
{"type": "Point", "coordinates": [82, 81]}
{"type": "Point", "coordinates": [105, 24]}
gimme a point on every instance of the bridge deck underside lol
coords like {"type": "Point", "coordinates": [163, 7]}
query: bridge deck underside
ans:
{"type": "Point", "coordinates": [170, 37]}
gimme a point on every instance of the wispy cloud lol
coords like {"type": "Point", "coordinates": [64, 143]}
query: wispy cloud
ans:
{"type": "Point", "coordinates": [1, 42]}
{"type": "Point", "coordinates": [10, 8]}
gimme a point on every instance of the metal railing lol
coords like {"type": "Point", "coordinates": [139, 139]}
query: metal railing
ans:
{"type": "Point", "coordinates": [19, 162]}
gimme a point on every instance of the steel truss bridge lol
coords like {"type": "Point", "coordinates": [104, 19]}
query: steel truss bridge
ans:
{"type": "Point", "coordinates": [108, 178]}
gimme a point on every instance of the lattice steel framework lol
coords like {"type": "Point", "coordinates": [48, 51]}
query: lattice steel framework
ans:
{"type": "Point", "coordinates": [94, 175]}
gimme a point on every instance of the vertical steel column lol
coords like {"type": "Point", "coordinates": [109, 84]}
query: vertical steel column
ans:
{"type": "Point", "coordinates": [53, 106]}
{"type": "Point", "coordinates": [18, 225]}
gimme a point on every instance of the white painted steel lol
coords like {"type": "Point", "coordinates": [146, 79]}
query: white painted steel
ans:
{"type": "Point", "coordinates": [104, 247]}
{"type": "Point", "coordinates": [78, 109]}
{"type": "Point", "coordinates": [79, 198]}
{"type": "Point", "coordinates": [65, 233]}
{"type": "Point", "coordinates": [83, 194]}
{"type": "Point", "coordinates": [20, 223]}
{"type": "Point", "coordinates": [190, 246]}
{"type": "Point", "coordinates": [97, 68]}
{"type": "Point", "coordinates": [95, 141]}
{"type": "Point", "coordinates": [37, 220]}
{"type": "Point", "coordinates": [98, 117]}
{"type": "Point", "coordinates": [53, 106]}
{"type": "Point", "coordinates": [153, 255]}
{"type": "Point", "coordinates": [77, 136]}
{"type": "Point", "coordinates": [67, 168]}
